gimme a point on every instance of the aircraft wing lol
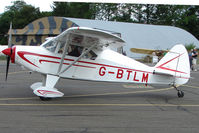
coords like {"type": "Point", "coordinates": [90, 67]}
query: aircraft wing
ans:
{"type": "Point", "coordinates": [145, 51]}
{"type": "Point", "coordinates": [142, 51]}
{"type": "Point", "coordinates": [86, 37]}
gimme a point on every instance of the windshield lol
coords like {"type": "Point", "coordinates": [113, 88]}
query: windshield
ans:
{"type": "Point", "coordinates": [50, 45]}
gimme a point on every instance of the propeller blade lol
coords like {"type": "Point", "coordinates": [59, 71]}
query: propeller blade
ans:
{"type": "Point", "coordinates": [8, 57]}
{"type": "Point", "coordinates": [10, 36]}
{"type": "Point", "coordinates": [7, 66]}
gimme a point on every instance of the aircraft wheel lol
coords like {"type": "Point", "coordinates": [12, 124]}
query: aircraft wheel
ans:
{"type": "Point", "coordinates": [45, 98]}
{"type": "Point", "coordinates": [180, 94]}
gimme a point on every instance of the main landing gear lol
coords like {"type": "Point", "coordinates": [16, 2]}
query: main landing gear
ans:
{"type": "Point", "coordinates": [45, 90]}
{"type": "Point", "coordinates": [45, 98]}
{"type": "Point", "coordinates": [180, 93]}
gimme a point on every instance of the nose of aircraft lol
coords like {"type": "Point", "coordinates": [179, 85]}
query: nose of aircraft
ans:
{"type": "Point", "coordinates": [10, 52]}
{"type": "Point", "coordinates": [7, 51]}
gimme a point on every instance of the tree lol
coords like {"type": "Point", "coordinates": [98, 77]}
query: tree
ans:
{"type": "Point", "coordinates": [106, 11]}
{"type": "Point", "coordinates": [137, 13]}
{"type": "Point", "coordinates": [124, 13]}
{"type": "Point", "coordinates": [189, 20]}
{"type": "Point", "coordinates": [189, 47]}
{"type": "Point", "coordinates": [148, 13]}
{"type": "Point", "coordinates": [20, 14]}
{"type": "Point", "coordinates": [76, 10]}
{"type": "Point", "coordinates": [166, 14]}
{"type": "Point", "coordinates": [23, 13]}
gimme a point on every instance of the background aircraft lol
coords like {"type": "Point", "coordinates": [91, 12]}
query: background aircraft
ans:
{"type": "Point", "coordinates": [148, 51]}
{"type": "Point", "coordinates": [156, 54]}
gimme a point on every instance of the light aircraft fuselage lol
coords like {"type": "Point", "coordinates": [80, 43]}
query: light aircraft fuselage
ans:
{"type": "Point", "coordinates": [85, 54]}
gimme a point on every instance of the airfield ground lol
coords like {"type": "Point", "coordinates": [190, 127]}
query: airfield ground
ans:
{"type": "Point", "coordinates": [93, 107]}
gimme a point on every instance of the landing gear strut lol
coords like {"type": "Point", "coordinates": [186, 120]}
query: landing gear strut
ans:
{"type": "Point", "coordinates": [180, 93]}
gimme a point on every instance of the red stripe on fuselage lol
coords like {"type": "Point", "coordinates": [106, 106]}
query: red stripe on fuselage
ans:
{"type": "Point", "coordinates": [22, 53]}
{"type": "Point", "coordinates": [65, 63]}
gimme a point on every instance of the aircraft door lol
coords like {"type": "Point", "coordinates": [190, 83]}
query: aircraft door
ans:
{"type": "Point", "coordinates": [84, 68]}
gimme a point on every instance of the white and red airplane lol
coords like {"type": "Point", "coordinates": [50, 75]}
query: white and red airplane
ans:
{"type": "Point", "coordinates": [85, 54]}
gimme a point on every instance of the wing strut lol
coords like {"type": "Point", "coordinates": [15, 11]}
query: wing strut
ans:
{"type": "Point", "coordinates": [63, 55]}
{"type": "Point", "coordinates": [83, 53]}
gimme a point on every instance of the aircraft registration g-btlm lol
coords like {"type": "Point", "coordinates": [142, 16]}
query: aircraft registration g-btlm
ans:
{"type": "Point", "coordinates": [85, 54]}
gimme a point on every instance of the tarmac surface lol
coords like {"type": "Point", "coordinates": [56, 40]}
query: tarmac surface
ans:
{"type": "Point", "coordinates": [93, 107]}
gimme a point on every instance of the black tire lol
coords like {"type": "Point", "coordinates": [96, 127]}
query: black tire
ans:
{"type": "Point", "coordinates": [180, 94]}
{"type": "Point", "coordinates": [45, 98]}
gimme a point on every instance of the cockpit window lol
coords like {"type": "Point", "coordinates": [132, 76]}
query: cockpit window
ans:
{"type": "Point", "coordinates": [91, 55]}
{"type": "Point", "coordinates": [60, 47]}
{"type": "Point", "coordinates": [72, 50]}
{"type": "Point", "coordinates": [50, 45]}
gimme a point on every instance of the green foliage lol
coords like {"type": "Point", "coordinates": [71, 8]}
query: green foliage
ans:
{"type": "Point", "coordinates": [76, 10]}
{"type": "Point", "coordinates": [5, 20]}
{"type": "Point", "coordinates": [20, 14]}
{"type": "Point", "coordinates": [107, 11]}
{"type": "Point", "coordinates": [185, 17]}
{"type": "Point", "coordinates": [190, 46]}
{"type": "Point", "coordinates": [46, 14]}
{"type": "Point", "coordinates": [189, 20]}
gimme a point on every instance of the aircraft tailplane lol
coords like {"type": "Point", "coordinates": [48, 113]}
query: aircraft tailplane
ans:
{"type": "Point", "coordinates": [175, 63]}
